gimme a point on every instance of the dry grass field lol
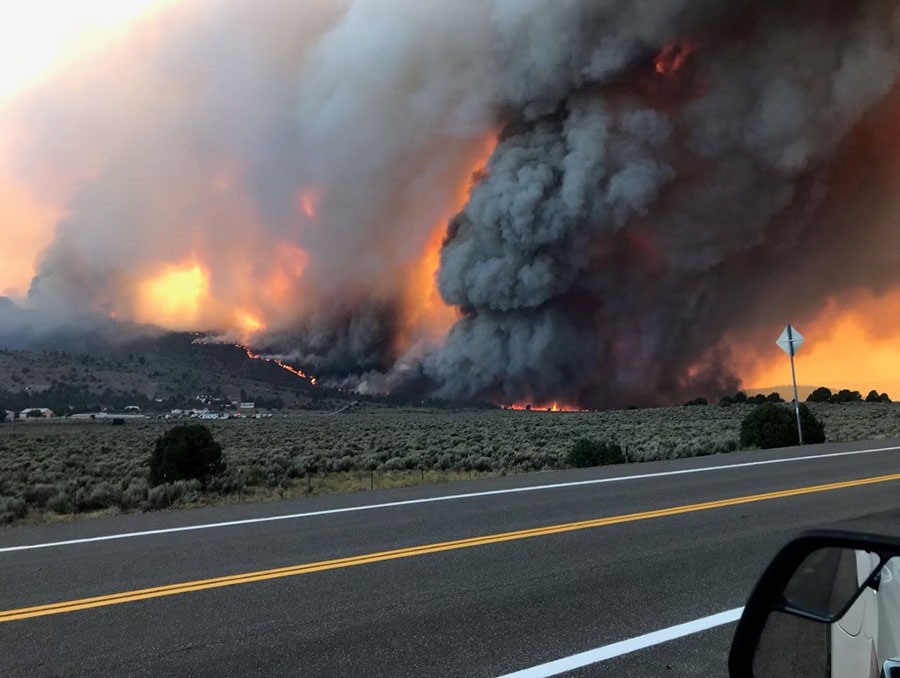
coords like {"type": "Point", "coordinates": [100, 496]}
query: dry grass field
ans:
{"type": "Point", "coordinates": [52, 471]}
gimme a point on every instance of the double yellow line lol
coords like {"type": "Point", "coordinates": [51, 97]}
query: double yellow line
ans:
{"type": "Point", "coordinates": [308, 568]}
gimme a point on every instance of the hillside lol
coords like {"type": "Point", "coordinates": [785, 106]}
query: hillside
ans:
{"type": "Point", "coordinates": [171, 368]}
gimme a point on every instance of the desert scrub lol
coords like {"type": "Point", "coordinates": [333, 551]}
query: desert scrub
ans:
{"type": "Point", "coordinates": [63, 469]}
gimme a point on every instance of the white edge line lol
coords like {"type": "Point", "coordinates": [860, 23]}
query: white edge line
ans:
{"type": "Point", "coordinates": [577, 661]}
{"type": "Point", "coordinates": [429, 500]}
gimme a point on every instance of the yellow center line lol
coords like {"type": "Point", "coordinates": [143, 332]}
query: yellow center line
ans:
{"type": "Point", "coordinates": [319, 566]}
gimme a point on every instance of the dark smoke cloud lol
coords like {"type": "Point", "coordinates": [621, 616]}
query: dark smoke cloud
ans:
{"type": "Point", "coordinates": [597, 260]}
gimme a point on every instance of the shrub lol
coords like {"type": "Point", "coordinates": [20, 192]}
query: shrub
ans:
{"type": "Point", "coordinates": [819, 395]}
{"type": "Point", "coordinates": [772, 425]}
{"type": "Point", "coordinates": [185, 452]}
{"type": "Point", "coordinates": [813, 429]}
{"type": "Point", "coordinates": [587, 452]}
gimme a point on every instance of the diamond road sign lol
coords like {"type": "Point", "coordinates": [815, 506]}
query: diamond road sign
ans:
{"type": "Point", "coordinates": [790, 340]}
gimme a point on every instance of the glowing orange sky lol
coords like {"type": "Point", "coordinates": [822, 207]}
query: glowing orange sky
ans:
{"type": "Point", "coordinates": [856, 347]}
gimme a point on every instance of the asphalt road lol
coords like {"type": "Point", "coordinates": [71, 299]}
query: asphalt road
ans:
{"type": "Point", "coordinates": [484, 608]}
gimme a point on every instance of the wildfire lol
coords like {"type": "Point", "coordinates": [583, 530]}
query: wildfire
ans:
{"type": "Point", "coordinates": [425, 310]}
{"type": "Point", "coordinates": [554, 407]}
{"type": "Point", "coordinates": [275, 361]}
{"type": "Point", "coordinates": [672, 57]}
{"type": "Point", "coordinates": [308, 203]}
{"type": "Point", "coordinates": [174, 297]}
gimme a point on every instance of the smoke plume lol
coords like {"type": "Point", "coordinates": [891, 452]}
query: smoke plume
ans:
{"type": "Point", "coordinates": [662, 178]}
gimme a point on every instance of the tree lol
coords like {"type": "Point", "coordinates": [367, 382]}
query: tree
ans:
{"type": "Point", "coordinates": [774, 398]}
{"type": "Point", "coordinates": [772, 425]}
{"type": "Point", "coordinates": [758, 399]}
{"type": "Point", "coordinates": [873, 397]}
{"type": "Point", "coordinates": [186, 452]}
{"type": "Point", "coordinates": [813, 429]}
{"type": "Point", "coordinates": [740, 397]}
{"type": "Point", "coordinates": [846, 396]}
{"type": "Point", "coordinates": [696, 402]}
{"type": "Point", "coordinates": [819, 395]}
{"type": "Point", "coordinates": [587, 452]}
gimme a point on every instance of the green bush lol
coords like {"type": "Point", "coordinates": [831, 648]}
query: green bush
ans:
{"type": "Point", "coordinates": [772, 425]}
{"type": "Point", "coordinates": [587, 452]}
{"type": "Point", "coordinates": [819, 395]}
{"type": "Point", "coordinates": [185, 452]}
{"type": "Point", "coordinates": [813, 429]}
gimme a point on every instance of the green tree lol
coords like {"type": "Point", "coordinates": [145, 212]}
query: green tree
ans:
{"type": "Point", "coordinates": [186, 452]}
{"type": "Point", "coordinates": [819, 395]}
{"type": "Point", "coordinates": [772, 425]}
{"type": "Point", "coordinates": [587, 452]}
{"type": "Point", "coordinates": [846, 396]}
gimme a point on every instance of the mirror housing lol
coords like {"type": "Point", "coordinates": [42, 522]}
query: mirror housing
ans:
{"type": "Point", "coordinates": [807, 582]}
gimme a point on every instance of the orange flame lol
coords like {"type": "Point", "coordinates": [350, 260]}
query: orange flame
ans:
{"type": "Point", "coordinates": [672, 57]}
{"type": "Point", "coordinates": [174, 297]}
{"type": "Point", "coordinates": [275, 361]}
{"type": "Point", "coordinates": [553, 407]}
{"type": "Point", "coordinates": [424, 309]}
{"type": "Point", "coordinates": [308, 202]}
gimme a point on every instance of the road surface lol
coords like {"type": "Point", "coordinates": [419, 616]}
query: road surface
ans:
{"type": "Point", "coordinates": [481, 578]}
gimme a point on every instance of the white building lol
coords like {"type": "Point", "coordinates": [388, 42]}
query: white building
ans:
{"type": "Point", "coordinates": [42, 411]}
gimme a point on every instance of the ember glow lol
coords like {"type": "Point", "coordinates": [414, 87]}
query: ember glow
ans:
{"type": "Point", "coordinates": [174, 297]}
{"type": "Point", "coordinates": [672, 57]}
{"type": "Point", "coordinates": [276, 361]}
{"type": "Point", "coordinates": [553, 407]}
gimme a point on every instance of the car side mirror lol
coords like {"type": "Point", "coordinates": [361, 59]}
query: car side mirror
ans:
{"type": "Point", "coordinates": [828, 606]}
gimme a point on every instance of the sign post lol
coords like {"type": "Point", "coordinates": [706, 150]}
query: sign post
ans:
{"type": "Point", "coordinates": [789, 342]}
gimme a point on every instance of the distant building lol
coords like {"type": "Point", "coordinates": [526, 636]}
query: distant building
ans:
{"type": "Point", "coordinates": [248, 406]}
{"type": "Point", "coordinates": [41, 411]}
{"type": "Point", "coordinates": [132, 408]}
